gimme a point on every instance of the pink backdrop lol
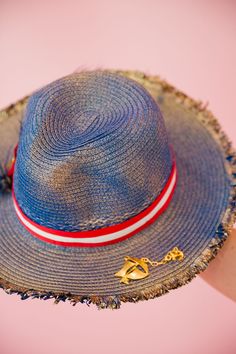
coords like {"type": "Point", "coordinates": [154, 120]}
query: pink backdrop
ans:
{"type": "Point", "coordinates": [192, 45]}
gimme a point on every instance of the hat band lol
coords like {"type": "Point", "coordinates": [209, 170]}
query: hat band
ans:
{"type": "Point", "coordinates": [107, 235]}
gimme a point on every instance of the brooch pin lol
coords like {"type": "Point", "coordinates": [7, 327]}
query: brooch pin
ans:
{"type": "Point", "coordinates": [137, 268]}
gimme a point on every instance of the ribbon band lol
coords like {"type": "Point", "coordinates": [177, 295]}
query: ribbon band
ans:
{"type": "Point", "coordinates": [107, 235]}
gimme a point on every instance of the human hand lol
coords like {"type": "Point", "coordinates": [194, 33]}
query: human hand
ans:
{"type": "Point", "coordinates": [221, 272]}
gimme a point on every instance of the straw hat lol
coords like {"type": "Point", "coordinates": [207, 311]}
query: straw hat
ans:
{"type": "Point", "coordinates": [114, 187]}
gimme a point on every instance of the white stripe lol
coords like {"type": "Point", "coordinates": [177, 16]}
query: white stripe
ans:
{"type": "Point", "coordinates": [102, 238]}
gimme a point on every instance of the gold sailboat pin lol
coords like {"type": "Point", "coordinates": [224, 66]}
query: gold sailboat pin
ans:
{"type": "Point", "coordinates": [137, 268]}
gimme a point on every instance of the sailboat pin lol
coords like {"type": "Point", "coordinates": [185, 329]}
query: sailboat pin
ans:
{"type": "Point", "coordinates": [137, 268]}
{"type": "Point", "coordinates": [134, 268]}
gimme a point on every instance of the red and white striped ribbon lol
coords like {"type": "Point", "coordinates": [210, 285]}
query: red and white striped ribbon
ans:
{"type": "Point", "coordinates": [107, 235]}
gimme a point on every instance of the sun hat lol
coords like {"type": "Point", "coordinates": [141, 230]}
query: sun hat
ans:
{"type": "Point", "coordinates": [115, 187]}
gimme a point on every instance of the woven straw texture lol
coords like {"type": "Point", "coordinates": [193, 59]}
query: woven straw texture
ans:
{"type": "Point", "coordinates": [198, 219]}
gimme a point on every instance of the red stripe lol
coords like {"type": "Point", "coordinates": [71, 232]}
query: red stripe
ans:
{"type": "Point", "coordinates": [10, 172]}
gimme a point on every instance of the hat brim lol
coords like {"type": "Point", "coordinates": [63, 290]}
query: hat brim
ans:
{"type": "Point", "coordinates": [197, 220]}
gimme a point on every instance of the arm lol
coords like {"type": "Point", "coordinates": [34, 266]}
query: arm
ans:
{"type": "Point", "coordinates": [221, 272]}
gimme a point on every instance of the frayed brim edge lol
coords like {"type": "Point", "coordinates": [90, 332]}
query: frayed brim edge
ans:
{"type": "Point", "coordinates": [209, 253]}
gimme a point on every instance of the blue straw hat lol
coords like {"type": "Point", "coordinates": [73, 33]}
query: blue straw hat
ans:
{"type": "Point", "coordinates": [114, 187]}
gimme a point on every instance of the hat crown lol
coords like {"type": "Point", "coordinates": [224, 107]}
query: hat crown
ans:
{"type": "Point", "coordinates": [93, 152]}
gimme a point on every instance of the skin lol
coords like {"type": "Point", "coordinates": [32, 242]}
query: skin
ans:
{"type": "Point", "coordinates": [221, 272]}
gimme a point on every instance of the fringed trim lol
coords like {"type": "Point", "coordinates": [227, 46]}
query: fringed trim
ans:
{"type": "Point", "coordinates": [13, 109]}
{"type": "Point", "coordinates": [5, 180]}
{"type": "Point", "coordinates": [114, 302]}
{"type": "Point", "coordinates": [209, 253]}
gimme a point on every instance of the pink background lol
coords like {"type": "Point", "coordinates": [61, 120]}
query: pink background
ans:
{"type": "Point", "coordinates": [192, 45]}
